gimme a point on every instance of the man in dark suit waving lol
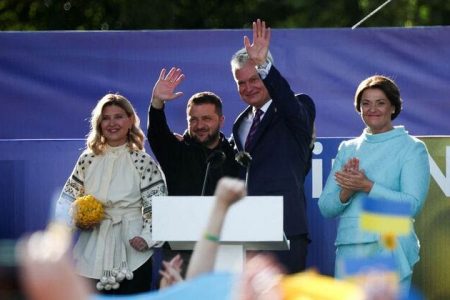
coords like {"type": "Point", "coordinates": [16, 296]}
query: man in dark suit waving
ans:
{"type": "Point", "coordinates": [276, 129]}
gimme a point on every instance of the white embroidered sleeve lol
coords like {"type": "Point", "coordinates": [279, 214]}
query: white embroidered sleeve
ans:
{"type": "Point", "coordinates": [152, 184]}
{"type": "Point", "coordinates": [73, 188]}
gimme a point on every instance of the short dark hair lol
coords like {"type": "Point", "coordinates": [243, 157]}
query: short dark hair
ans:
{"type": "Point", "coordinates": [206, 98]}
{"type": "Point", "coordinates": [385, 84]}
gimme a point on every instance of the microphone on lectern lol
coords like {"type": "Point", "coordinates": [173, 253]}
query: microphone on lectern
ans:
{"type": "Point", "coordinates": [214, 160]}
{"type": "Point", "coordinates": [244, 159]}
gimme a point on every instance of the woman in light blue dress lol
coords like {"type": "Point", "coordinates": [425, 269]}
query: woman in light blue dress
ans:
{"type": "Point", "coordinates": [384, 162]}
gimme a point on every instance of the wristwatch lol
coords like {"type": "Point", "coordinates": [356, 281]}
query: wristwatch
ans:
{"type": "Point", "coordinates": [263, 66]}
{"type": "Point", "coordinates": [263, 70]}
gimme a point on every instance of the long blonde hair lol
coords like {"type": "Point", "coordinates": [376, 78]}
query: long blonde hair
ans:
{"type": "Point", "coordinates": [96, 141]}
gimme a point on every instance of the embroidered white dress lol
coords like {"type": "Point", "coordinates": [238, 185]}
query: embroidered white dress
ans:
{"type": "Point", "coordinates": [124, 181]}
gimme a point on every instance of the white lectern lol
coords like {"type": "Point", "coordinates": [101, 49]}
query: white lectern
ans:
{"type": "Point", "coordinates": [254, 223]}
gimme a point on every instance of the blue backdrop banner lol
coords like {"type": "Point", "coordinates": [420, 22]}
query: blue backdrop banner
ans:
{"type": "Point", "coordinates": [50, 81]}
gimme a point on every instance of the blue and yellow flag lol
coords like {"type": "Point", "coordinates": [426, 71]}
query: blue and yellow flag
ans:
{"type": "Point", "coordinates": [357, 266]}
{"type": "Point", "coordinates": [378, 274]}
{"type": "Point", "coordinates": [386, 216]}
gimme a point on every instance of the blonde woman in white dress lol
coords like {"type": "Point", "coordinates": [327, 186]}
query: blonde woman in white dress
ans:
{"type": "Point", "coordinates": [116, 170]}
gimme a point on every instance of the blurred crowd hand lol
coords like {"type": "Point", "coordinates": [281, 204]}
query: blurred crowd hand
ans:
{"type": "Point", "coordinates": [379, 285]}
{"type": "Point", "coordinates": [171, 272]}
{"type": "Point", "coordinates": [261, 279]}
{"type": "Point", "coordinates": [229, 191]}
{"type": "Point", "coordinates": [45, 268]}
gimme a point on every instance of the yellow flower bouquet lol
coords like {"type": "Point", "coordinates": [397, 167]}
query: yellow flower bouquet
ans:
{"type": "Point", "coordinates": [87, 212]}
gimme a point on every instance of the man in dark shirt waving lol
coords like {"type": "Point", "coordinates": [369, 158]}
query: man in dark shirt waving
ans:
{"type": "Point", "coordinates": [185, 161]}
{"type": "Point", "coordinates": [202, 149]}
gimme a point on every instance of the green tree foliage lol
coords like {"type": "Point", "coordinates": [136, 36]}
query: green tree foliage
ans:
{"type": "Point", "coordinates": [208, 14]}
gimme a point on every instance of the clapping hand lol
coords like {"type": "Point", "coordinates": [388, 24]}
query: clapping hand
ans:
{"type": "Point", "coordinates": [352, 165]}
{"type": "Point", "coordinates": [259, 48]}
{"type": "Point", "coordinates": [345, 175]}
{"type": "Point", "coordinates": [352, 179]}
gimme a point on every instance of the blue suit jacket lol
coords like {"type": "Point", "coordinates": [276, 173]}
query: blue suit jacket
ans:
{"type": "Point", "coordinates": [280, 150]}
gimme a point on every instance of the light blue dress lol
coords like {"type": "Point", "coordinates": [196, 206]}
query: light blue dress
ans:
{"type": "Point", "coordinates": [398, 165]}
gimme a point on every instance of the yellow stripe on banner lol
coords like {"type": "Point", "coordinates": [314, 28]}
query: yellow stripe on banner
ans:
{"type": "Point", "coordinates": [385, 224]}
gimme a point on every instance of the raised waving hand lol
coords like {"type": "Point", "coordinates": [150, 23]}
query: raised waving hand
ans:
{"type": "Point", "coordinates": [164, 89]}
{"type": "Point", "coordinates": [258, 49]}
